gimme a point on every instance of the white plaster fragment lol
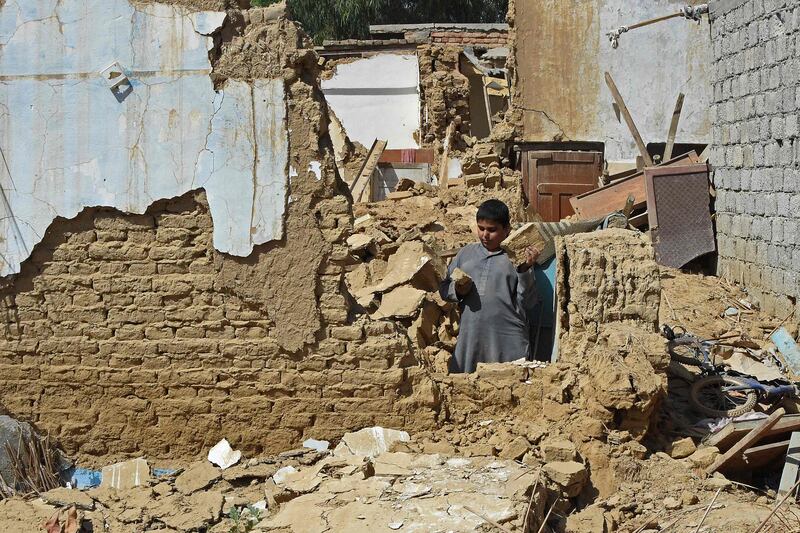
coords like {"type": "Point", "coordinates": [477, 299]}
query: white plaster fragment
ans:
{"type": "Point", "coordinates": [207, 22]}
{"type": "Point", "coordinates": [70, 143]}
{"type": "Point", "coordinates": [316, 169]}
{"type": "Point", "coordinates": [222, 455]}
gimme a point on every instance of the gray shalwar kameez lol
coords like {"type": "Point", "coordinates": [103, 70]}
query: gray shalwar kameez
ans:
{"type": "Point", "coordinates": [494, 313]}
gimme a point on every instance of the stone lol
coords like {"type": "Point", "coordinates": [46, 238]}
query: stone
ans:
{"type": "Point", "coordinates": [520, 239]}
{"type": "Point", "coordinates": [126, 475]}
{"type": "Point", "coordinates": [206, 508]}
{"type": "Point", "coordinates": [671, 504]}
{"type": "Point", "coordinates": [197, 476]}
{"type": "Point", "coordinates": [682, 448]}
{"type": "Point", "coordinates": [64, 497]}
{"type": "Point", "coordinates": [361, 242]}
{"type": "Point", "coordinates": [401, 302]}
{"type": "Point", "coordinates": [440, 447]}
{"type": "Point", "coordinates": [240, 472]}
{"type": "Point", "coordinates": [704, 457]}
{"type": "Point", "coordinates": [589, 520]}
{"type": "Point", "coordinates": [393, 464]}
{"type": "Point", "coordinates": [689, 498]}
{"type": "Point", "coordinates": [515, 449]}
{"type": "Point", "coordinates": [461, 279]}
{"type": "Point", "coordinates": [570, 476]}
{"type": "Point", "coordinates": [425, 327]}
{"type": "Point", "coordinates": [370, 442]}
{"type": "Point", "coordinates": [558, 450]}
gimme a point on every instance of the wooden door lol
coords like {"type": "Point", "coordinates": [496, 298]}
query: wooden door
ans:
{"type": "Point", "coordinates": [551, 178]}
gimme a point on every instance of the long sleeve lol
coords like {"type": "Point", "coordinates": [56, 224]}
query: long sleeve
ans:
{"type": "Point", "coordinates": [527, 295]}
{"type": "Point", "coordinates": [447, 288]}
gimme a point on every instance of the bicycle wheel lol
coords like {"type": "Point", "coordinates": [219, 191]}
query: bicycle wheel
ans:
{"type": "Point", "coordinates": [686, 355]}
{"type": "Point", "coordinates": [708, 396]}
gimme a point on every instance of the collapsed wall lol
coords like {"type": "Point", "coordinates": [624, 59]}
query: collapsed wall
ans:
{"type": "Point", "coordinates": [132, 334]}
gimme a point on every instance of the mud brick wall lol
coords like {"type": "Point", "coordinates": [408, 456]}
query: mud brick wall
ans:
{"type": "Point", "coordinates": [130, 334]}
{"type": "Point", "coordinates": [756, 151]}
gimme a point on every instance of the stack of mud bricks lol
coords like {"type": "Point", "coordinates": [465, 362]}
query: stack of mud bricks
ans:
{"type": "Point", "coordinates": [485, 38]}
{"type": "Point", "coordinates": [756, 150]}
{"type": "Point", "coordinates": [125, 335]}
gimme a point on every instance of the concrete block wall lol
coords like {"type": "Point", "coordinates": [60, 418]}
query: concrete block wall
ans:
{"type": "Point", "coordinates": [756, 150]}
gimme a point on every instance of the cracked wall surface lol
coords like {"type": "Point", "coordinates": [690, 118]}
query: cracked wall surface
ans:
{"type": "Point", "coordinates": [562, 51]}
{"type": "Point", "coordinates": [69, 143]}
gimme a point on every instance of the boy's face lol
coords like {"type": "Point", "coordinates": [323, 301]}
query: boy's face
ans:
{"type": "Point", "coordinates": [491, 234]}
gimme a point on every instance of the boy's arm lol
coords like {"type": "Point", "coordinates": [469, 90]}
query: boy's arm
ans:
{"type": "Point", "coordinates": [527, 295]}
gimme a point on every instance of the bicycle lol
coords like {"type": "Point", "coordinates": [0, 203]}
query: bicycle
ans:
{"type": "Point", "coordinates": [721, 392]}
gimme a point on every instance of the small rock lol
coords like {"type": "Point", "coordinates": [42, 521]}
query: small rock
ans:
{"type": "Point", "coordinates": [515, 449]}
{"type": "Point", "coordinates": [558, 450]}
{"type": "Point", "coordinates": [689, 498]}
{"type": "Point", "coordinates": [682, 448]}
{"type": "Point", "coordinates": [570, 476]}
{"type": "Point", "coordinates": [441, 447]}
{"type": "Point", "coordinates": [671, 503]}
{"type": "Point", "coordinates": [704, 457]}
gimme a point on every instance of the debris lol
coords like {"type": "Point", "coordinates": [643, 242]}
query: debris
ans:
{"type": "Point", "coordinates": [413, 263]}
{"type": "Point", "coordinates": [570, 476]}
{"type": "Point", "coordinates": [788, 348]}
{"type": "Point", "coordinates": [83, 478]}
{"type": "Point", "coordinates": [515, 449]}
{"type": "Point", "coordinates": [223, 455]}
{"type": "Point", "coordinates": [558, 450]}
{"type": "Point", "coordinates": [28, 462]}
{"type": "Point", "coordinates": [400, 302]}
{"type": "Point", "coordinates": [370, 442]}
{"type": "Point", "coordinates": [682, 448]}
{"type": "Point", "coordinates": [126, 475]}
{"type": "Point", "coordinates": [197, 476]}
{"type": "Point", "coordinates": [282, 475]}
{"type": "Point", "coordinates": [792, 465]}
{"type": "Point", "coordinates": [704, 457]}
{"type": "Point", "coordinates": [63, 497]}
{"type": "Point", "coordinates": [318, 445]}
{"type": "Point", "coordinates": [748, 440]}
{"type": "Point", "coordinates": [461, 279]}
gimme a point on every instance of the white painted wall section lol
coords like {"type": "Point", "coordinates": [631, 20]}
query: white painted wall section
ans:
{"type": "Point", "coordinates": [69, 143]}
{"type": "Point", "coordinates": [377, 98]}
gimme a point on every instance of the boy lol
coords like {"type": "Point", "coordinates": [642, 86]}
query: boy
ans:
{"type": "Point", "coordinates": [495, 305]}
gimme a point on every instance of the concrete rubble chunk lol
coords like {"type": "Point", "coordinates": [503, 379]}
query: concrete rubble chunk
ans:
{"type": "Point", "coordinates": [520, 239]}
{"type": "Point", "coordinates": [198, 476]}
{"type": "Point", "coordinates": [682, 448]}
{"type": "Point", "coordinates": [570, 476]}
{"type": "Point", "coordinates": [126, 475]}
{"type": "Point", "coordinates": [558, 450]}
{"type": "Point", "coordinates": [370, 442]}
{"type": "Point", "coordinates": [401, 302]}
{"type": "Point", "coordinates": [461, 279]}
{"type": "Point", "coordinates": [223, 455]}
{"type": "Point", "coordinates": [64, 497]}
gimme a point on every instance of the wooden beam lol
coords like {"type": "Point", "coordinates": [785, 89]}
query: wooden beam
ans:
{"type": "Point", "coordinates": [363, 182]}
{"type": "Point", "coordinates": [747, 441]}
{"type": "Point", "coordinates": [444, 178]}
{"type": "Point", "coordinates": [673, 128]}
{"type": "Point", "coordinates": [727, 436]}
{"type": "Point", "coordinates": [792, 464]}
{"type": "Point", "coordinates": [623, 109]}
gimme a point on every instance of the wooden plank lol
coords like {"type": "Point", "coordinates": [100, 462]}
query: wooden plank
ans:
{"type": "Point", "coordinates": [747, 441]}
{"type": "Point", "coordinates": [788, 349]}
{"type": "Point", "coordinates": [600, 202]}
{"type": "Point", "coordinates": [758, 456]}
{"type": "Point", "coordinates": [623, 109]}
{"type": "Point", "coordinates": [673, 128]}
{"type": "Point", "coordinates": [724, 438]}
{"type": "Point", "coordinates": [407, 155]}
{"type": "Point", "coordinates": [792, 465]}
{"type": "Point", "coordinates": [364, 179]}
{"type": "Point", "coordinates": [444, 179]}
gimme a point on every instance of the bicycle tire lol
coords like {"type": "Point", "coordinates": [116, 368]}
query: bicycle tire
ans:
{"type": "Point", "coordinates": [707, 397]}
{"type": "Point", "coordinates": [693, 360]}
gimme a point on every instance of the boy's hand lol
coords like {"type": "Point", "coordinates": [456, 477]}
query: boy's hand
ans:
{"type": "Point", "coordinates": [531, 255]}
{"type": "Point", "coordinates": [462, 281]}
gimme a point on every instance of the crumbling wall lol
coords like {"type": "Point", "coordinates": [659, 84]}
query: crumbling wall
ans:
{"type": "Point", "coordinates": [131, 334]}
{"type": "Point", "coordinates": [755, 149]}
{"type": "Point", "coordinates": [445, 93]}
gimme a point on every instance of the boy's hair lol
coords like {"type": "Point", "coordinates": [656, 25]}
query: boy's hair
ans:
{"type": "Point", "coordinates": [494, 210]}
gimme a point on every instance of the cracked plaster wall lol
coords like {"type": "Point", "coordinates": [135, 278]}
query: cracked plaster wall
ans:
{"type": "Point", "coordinates": [562, 52]}
{"type": "Point", "coordinates": [69, 143]}
{"type": "Point", "coordinates": [377, 97]}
